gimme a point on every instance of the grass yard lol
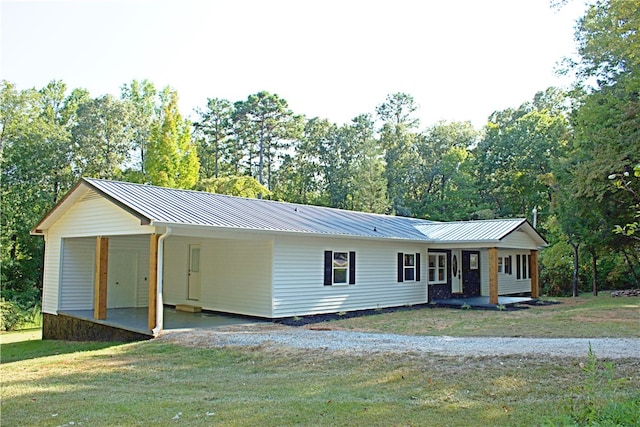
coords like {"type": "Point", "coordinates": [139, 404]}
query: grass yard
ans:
{"type": "Point", "coordinates": [583, 317]}
{"type": "Point", "coordinates": [154, 383]}
{"type": "Point", "coordinates": [56, 383]}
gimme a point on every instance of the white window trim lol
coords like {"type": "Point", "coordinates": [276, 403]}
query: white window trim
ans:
{"type": "Point", "coordinates": [334, 268]}
{"type": "Point", "coordinates": [437, 256]}
{"type": "Point", "coordinates": [411, 267]}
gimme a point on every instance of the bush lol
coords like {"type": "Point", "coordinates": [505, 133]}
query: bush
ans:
{"type": "Point", "coordinates": [11, 315]}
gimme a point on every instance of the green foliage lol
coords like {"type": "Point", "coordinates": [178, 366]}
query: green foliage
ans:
{"type": "Point", "coordinates": [171, 159]}
{"type": "Point", "coordinates": [102, 137]}
{"type": "Point", "coordinates": [242, 186]}
{"type": "Point", "coordinates": [13, 315]}
{"type": "Point", "coordinates": [595, 401]}
{"type": "Point", "coordinates": [515, 158]}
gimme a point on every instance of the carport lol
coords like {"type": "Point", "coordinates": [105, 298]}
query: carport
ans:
{"type": "Point", "coordinates": [134, 320]}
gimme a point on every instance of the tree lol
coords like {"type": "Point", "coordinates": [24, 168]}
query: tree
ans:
{"type": "Point", "coordinates": [172, 160]}
{"type": "Point", "coordinates": [336, 157]}
{"type": "Point", "coordinates": [299, 178]}
{"type": "Point", "coordinates": [443, 187]}
{"type": "Point", "coordinates": [606, 120]}
{"type": "Point", "coordinates": [267, 124]}
{"type": "Point", "coordinates": [36, 172]}
{"type": "Point", "coordinates": [397, 139]}
{"type": "Point", "coordinates": [515, 159]}
{"type": "Point", "coordinates": [241, 186]}
{"type": "Point", "coordinates": [141, 95]}
{"type": "Point", "coordinates": [102, 137]}
{"type": "Point", "coordinates": [215, 128]}
{"type": "Point", "coordinates": [370, 185]}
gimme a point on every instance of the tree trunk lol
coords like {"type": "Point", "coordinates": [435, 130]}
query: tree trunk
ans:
{"type": "Point", "coordinates": [594, 271]}
{"type": "Point", "coordinates": [632, 270]}
{"type": "Point", "coordinates": [575, 267]}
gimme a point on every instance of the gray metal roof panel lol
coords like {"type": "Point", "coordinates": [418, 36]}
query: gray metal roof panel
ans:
{"type": "Point", "coordinates": [465, 231]}
{"type": "Point", "coordinates": [185, 207]}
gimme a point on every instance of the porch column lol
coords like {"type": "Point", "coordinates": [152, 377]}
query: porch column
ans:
{"type": "Point", "coordinates": [153, 280]}
{"type": "Point", "coordinates": [493, 275]}
{"type": "Point", "coordinates": [533, 268]}
{"type": "Point", "coordinates": [100, 284]}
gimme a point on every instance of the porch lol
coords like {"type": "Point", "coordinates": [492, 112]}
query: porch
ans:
{"type": "Point", "coordinates": [483, 302]}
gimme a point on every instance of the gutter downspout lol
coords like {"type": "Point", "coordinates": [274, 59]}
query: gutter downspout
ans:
{"type": "Point", "coordinates": [159, 303]}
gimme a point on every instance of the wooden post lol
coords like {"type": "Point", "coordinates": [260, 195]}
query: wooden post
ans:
{"type": "Point", "coordinates": [100, 284]}
{"type": "Point", "coordinates": [153, 280]}
{"type": "Point", "coordinates": [493, 275]}
{"type": "Point", "coordinates": [535, 287]}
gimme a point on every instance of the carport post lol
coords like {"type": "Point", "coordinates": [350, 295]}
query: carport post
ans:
{"type": "Point", "coordinates": [100, 280]}
{"type": "Point", "coordinates": [153, 280]}
{"type": "Point", "coordinates": [533, 268]}
{"type": "Point", "coordinates": [493, 275]}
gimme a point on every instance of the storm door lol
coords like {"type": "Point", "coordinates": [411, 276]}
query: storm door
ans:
{"type": "Point", "coordinates": [456, 272]}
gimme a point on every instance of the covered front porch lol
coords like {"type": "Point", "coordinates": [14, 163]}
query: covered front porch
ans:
{"type": "Point", "coordinates": [484, 302]}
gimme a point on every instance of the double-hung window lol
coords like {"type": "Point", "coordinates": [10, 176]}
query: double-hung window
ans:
{"type": "Point", "coordinates": [408, 267]}
{"type": "Point", "coordinates": [339, 268]}
{"type": "Point", "coordinates": [523, 270]}
{"type": "Point", "coordinates": [437, 268]}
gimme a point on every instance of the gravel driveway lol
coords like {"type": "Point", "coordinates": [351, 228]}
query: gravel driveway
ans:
{"type": "Point", "coordinates": [362, 343]}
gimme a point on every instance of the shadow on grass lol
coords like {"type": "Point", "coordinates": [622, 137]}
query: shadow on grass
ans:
{"type": "Point", "coordinates": [33, 349]}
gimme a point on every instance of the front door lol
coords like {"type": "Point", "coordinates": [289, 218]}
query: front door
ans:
{"type": "Point", "coordinates": [194, 273]}
{"type": "Point", "coordinates": [122, 279]}
{"type": "Point", "coordinates": [456, 272]}
{"type": "Point", "coordinates": [471, 273]}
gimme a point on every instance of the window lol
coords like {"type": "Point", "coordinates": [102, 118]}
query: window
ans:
{"type": "Point", "coordinates": [523, 270]}
{"type": "Point", "coordinates": [500, 264]}
{"type": "Point", "coordinates": [339, 268]}
{"type": "Point", "coordinates": [408, 267]}
{"type": "Point", "coordinates": [437, 268]}
{"type": "Point", "coordinates": [508, 267]}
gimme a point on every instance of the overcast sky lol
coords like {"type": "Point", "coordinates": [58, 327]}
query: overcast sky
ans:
{"type": "Point", "coordinates": [459, 59]}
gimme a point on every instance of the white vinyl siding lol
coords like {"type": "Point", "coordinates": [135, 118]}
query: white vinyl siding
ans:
{"type": "Point", "coordinates": [97, 216]}
{"type": "Point", "coordinates": [507, 283]}
{"type": "Point", "coordinates": [235, 274]}
{"type": "Point", "coordinates": [77, 273]}
{"type": "Point", "coordinates": [91, 216]}
{"type": "Point", "coordinates": [518, 240]}
{"type": "Point", "coordinates": [298, 276]}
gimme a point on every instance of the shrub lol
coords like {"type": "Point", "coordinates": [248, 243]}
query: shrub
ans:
{"type": "Point", "coordinates": [11, 315]}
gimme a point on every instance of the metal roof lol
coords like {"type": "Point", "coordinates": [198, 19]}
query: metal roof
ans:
{"type": "Point", "coordinates": [160, 206]}
{"type": "Point", "coordinates": [464, 231]}
{"type": "Point", "coordinates": [168, 206]}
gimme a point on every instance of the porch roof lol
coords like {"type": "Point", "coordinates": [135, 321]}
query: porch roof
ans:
{"type": "Point", "coordinates": [158, 206]}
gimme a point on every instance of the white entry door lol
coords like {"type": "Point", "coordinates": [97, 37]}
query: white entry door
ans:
{"type": "Point", "coordinates": [122, 279]}
{"type": "Point", "coordinates": [194, 273]}
{"type": "Point", "coordinates": [456, 272]}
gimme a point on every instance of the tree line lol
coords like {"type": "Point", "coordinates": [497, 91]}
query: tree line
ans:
{"type": "Point", "coordinates": [571, 155]}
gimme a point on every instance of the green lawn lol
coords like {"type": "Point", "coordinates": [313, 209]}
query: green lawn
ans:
{"type": "Point", "coordinates": [55, 383]}
{"type": "Point", "coordinates": [583, 317]}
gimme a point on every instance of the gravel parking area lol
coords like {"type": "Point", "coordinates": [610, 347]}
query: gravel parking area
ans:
{"type": "Point", "coordinates": [280, 336]}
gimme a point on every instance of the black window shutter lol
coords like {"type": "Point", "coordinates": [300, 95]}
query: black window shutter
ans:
{"type": "Point", "coordinates": [328, 255]}
{"type": "Point", "coordinates": [518, 267]}
{"type": "Point", "coordinates": [352, 268]}
{"type": "Point", "coordinates": [510, 265]}
{"type": "Point", "coordinates": [400, 267]}
{"type": "Point", "coordinates": [417, 267]}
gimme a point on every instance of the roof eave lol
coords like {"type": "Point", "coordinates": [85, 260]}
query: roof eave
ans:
{"type": "Point", "coordinates": [175, 225]}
